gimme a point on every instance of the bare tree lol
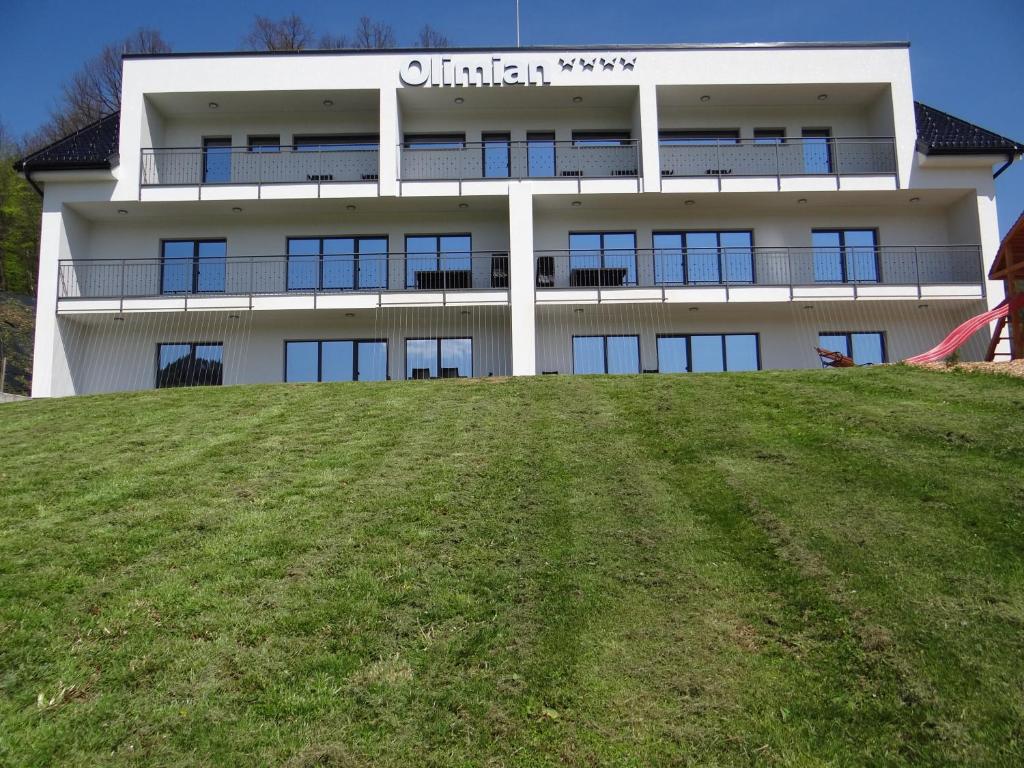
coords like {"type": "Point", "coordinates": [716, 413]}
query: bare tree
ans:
{"type": "Point", "coordinates": [373, 34]}
{"type": "Point", "coordinates": [95, 89]}
{"type": "Point", "coordinates": [289, 33]}
{"type": "Point", "coordinates": [330, 42]}
{"type": "Point", "coordinates": [431, 38]}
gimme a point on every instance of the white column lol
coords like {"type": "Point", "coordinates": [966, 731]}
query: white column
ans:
{"type": "Point", "coordinates": [522, 283]}
{"type": "Point", "coordinates": [645, 127]}
{"type": "Point", "coordinates": [390, 137]}
{"type": "Point", "coordinates": [47, 335]}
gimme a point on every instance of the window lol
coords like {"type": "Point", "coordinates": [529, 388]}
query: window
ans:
{"type": "Point", "coordinates": [817, 145]}
{"type": "Point", "coordinates": [337, 263]}
{"type": "Point", "coordinates": [216, 161]}
{"type": "Point", "coordinates": [865, 347]}
{"type": "Point", "coordinates": [602, 258]}
{"type": "Point", "coordinates": [497, 155]}
{"type": "Point", "coordinates": [438, 358]}
{"type": "Point", "coordinates": [681, 353]}
{"type": "Point", "coordinates": [189, 364]}
{"type": "Point", "coordinates": [769, 135]}
{"type": "Point", "coordinates": [334, 143]}
{"type": "Point", "coordinates": [601, 138]}
{"type": "Point", "coordinates": [264, 143]}
{"type": "Point", "coordinates": [845, 255]}
{"type": "Point", "coordinates": [435, 262]}
{"type": "Point", "coordinates": [435, 140]}
{"type": "Point", "coordinates": [344, 360]}
{"type": "Point", "coordinates": [193, 266]}
{"type": "Point", "coordinates": [699, 138]}
{"type": "Point", "coordinates": [540, 153]}
{"type": "Point", "coordinates": [606, 354]}
{"type": "Point", "coordinates": [703, 257]}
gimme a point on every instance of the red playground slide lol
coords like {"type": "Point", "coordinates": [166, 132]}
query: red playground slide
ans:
{"type": "Point", "coordinates": [964, 331]}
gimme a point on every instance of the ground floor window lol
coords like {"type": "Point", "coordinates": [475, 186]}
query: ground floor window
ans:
{"type": "Point", "coordinates": [696, 353]}
{"type": "Point", "coordinates": [189, 364]}
{"type": "Point", "coordinates": [438, 358]}
{"type": "Point", "coordinates": [865, 347]}
{"type": "Point", "coordinates": [606, 354]}
{"type": "Point", "coordinates": [336, 360]}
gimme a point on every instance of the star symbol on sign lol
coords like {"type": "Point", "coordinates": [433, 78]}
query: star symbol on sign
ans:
{"type": "Point", "coordinates": [607, 63]}
{"type": "Point", "coordinates": [567, 64]}
{"type": "Point", "coordinates": [628, 63]}
{"type": "Point", "coordinates": [588, 64]}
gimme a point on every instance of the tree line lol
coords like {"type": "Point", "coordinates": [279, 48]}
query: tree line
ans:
{"type": "Point", "coordinates": [94, 91]}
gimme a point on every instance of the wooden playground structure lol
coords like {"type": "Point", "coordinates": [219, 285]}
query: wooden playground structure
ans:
{"type": "Point", "coordinates": [1009, 267]}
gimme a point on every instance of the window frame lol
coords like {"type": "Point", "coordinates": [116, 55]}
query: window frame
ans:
{"type": "Point", "coordinates": [437, 254]}
{"type": "Point", "coordinates": [216, 142]}
{"type": "Point", "coordinates": [438, 340]}
{"type": "Point", "coordinates": [269, 148]}
{"type": "Point", "coordinates": [689, 348]}
{"type": "Point", "coordinates": [320, 358]}
{"type": "Point", "coordinates": [319, 288]}
{"type": "Point", "coordinates": [883, 343]}
{"type": "Point", "coordinates": [424, 140]}
{"type": "Point", "coordinates": [685, 260]}
{"type": "Point", "coordinates": [712, 137]}
{"type": "Point", "coordinates": [491, 138]}
{"type": "Point", "coordinates": [602, 138]}
{"type": "Point", "coordinates": [540, 137]}
{"type": "Point", "coordinates": [843, 252]}
{"type": "Point", "coordinates": [819, 133]}
{"type": "Point", "coordinates": [602, 233]}
{"type": "Point", "coordinates": [192, 356]}
{"type": "Point", "coordinates": [604, 347]}
{"type": "Point", "coordinates": [769, 136]}
{"type": "Point", "coordinates": [337, 142]}
{"type": "Point", "coordinates": [196, 242]}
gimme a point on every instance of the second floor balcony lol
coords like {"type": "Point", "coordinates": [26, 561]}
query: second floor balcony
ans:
{"type": "Point", "coordinates": [209, 278]}
{"type": "Point", "coordinates": [724, 273]}
{"type": "Point", "coordinates": [219, 163]}
{"type": "Point", "coordinates": [700, 156]}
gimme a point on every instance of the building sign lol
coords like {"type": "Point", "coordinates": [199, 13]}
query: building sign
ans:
{"type": "Point", "coordinates": [438, 71]}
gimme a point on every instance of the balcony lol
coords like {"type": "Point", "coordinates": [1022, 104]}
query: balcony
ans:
{"type": "Point", "coordinates": [521, 160]}
{"type": "Point", "coordinates": [760, 274]}
{"type": "Point", "coordinates": [283, 282]}
{"type": "Point", "coordinates": [227, 165]}
{"type": "Point", "coordinates": [778, 158]}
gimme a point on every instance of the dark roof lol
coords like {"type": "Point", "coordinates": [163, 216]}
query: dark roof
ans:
{"type": "Point", "coordinates": [939, 133]}
{"type": "Point", "coordinates": [94, 146]}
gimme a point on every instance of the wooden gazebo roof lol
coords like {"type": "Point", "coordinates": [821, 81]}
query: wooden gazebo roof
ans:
{"type": "Point", "coordinates": [1009, 263]}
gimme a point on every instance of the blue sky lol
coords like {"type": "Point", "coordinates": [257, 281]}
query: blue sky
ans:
{"type": "Point", "coordinates": [966, 56]}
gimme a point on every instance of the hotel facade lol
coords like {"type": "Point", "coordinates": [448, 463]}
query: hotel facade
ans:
{"type": "Point", "coordinates": [333, 216]}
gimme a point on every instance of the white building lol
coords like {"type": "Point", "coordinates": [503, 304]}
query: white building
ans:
{"type": "Point", "coordinates": [410, 214]}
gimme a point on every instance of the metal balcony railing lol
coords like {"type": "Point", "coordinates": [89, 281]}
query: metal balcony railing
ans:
{"type": "Point", "coordinates": [779, 157]}
{"type": "Point", "coordinates": [520, 160]}
{"type": "Point", "coordinates": [914, 265]}
{"type": "Point", "coordinates": [282, 275]}
{"type": "Point", "coordinates": [193, 166]}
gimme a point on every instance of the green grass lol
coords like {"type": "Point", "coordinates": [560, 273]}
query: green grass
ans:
{"type": "Point", "coordinates": [784, 568]}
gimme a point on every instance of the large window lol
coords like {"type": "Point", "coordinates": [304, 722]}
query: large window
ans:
{"type": "Point", "coordinates": [216, 161]}
{"type": "Point", "coordinates": [341, 360]}
{"type": "Point", "coordinates": [817, 146]}
{"type": "Point", "coordinates": [606, 354]}
{"type": "Point", "coordinates": [438, 358]}
{"type": "Point", "coordinates": [189, 364]}
{"type": "Point", "coordinates": [602, 258]}
{"type": "Point", "coordinates": [865, 347]}
{"type": "Point", "coordinates": [435, 140]}
{"type": "Point", "coordinates": [434, 262]}
{"type": "Point", "coordinates": [695, 353]}
{"type": "Point", "coordinates": [271, 144]}
{"type": "Point", "coordinates": [703, 257]}
{"type": "Point", "coordinates": [845, 255]}
{"type": "Point", "coordinates": [601, 138]}
{"type": "Point", "coordinates": [540, 153]}
{"type": "Point", "coordinates": [193, 266]}
{"type": "Point", "coordinates": [337, 263]}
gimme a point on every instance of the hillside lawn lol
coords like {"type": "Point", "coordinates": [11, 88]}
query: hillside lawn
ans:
{"type": "Point", "coordinates": [780, 568]}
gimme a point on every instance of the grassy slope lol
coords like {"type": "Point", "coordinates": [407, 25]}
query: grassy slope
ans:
{"type": "Point", "coordinates": [17, 325]}
{"type": "Point", "coordinates": [781, 568]}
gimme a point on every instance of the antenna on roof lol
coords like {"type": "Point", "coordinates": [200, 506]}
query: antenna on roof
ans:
{"type": "Point", "coordinates": [517, 23]}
